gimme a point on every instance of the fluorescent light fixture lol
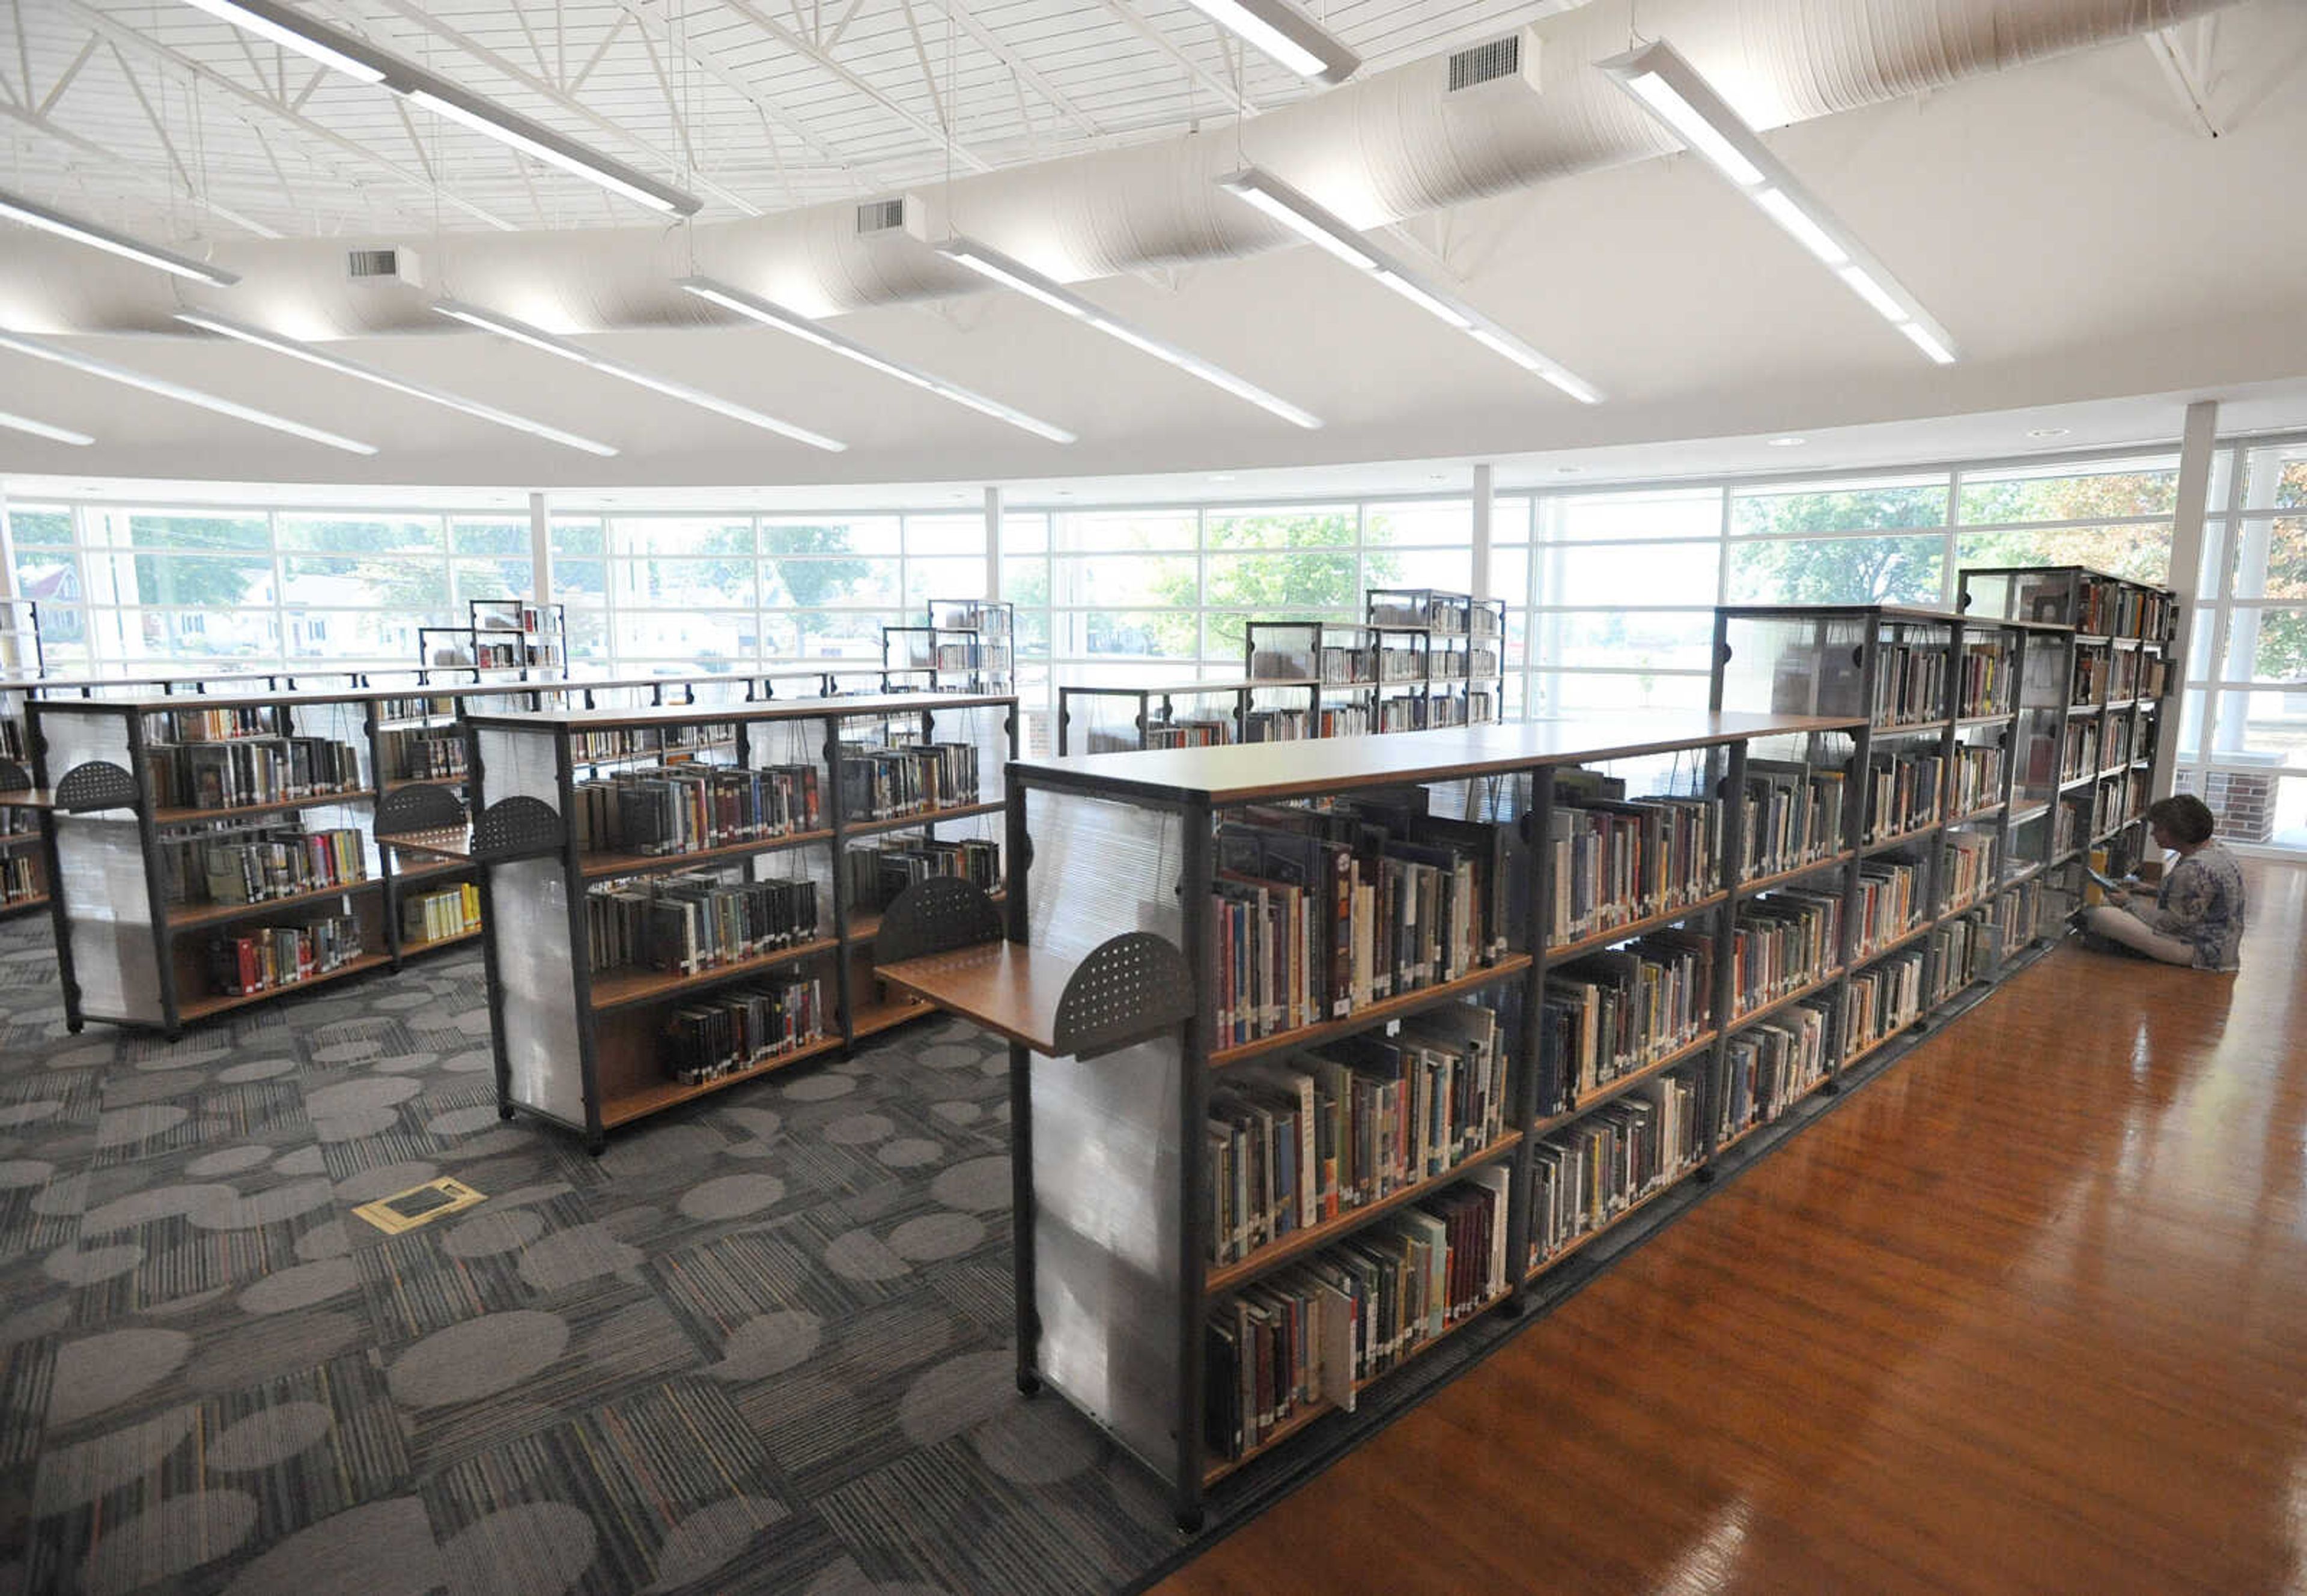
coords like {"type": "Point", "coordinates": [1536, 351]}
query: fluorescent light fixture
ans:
{"type": "Point", "coordinates": [181, 395]}
{"type": "Point", "coordinates": [537, 338]}
{"type": "Point", "coordinates": [1807, 232]}
{"type": "Point", "coordinates": [1674, 91]}
{"type": "Point", "coordinates": [1014, 274]}
{"type": "Point", "coordinates": [1310, 219]}
{"type": "Point", "coordinates": [1923, 338]}
{"type": "Point", "coordinates": [315, 41]}
{"type": "Point", "coordinates": [289, 346]}
{"type": "Point", "coordinates": [33, 214]}
{"type": "Point", "coordinates": [1280, 30]}
{"type": "Point", "coordinates": [41, 429]}
{"type": "Point", "coordinates": [356, 58]}
{"type": "Point", "coordinates": [530, 138]}
{"type": "Point", "coordinates": [771, 314]}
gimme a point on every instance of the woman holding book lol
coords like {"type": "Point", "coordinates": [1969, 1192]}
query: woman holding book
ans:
{"type": "Point", "coordinates": [2198, 913]}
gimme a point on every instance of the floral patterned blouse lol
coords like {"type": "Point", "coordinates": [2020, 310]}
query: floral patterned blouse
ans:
{"type": "Point", "coordinates": [2201, 902]}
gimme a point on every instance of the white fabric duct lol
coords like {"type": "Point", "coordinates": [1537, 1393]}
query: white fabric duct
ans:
{"type": "Point", "coordinates": [1383, 148]}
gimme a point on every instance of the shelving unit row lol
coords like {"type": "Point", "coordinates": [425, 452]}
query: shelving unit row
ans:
{"type": "Point", "coordinates": [1654, 991]}
{"type": "Point", "coordinates": [656, 931]}
{"type": "Point", "coordinates": [962, 645]}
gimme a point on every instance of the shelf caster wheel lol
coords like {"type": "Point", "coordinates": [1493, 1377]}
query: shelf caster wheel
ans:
{"type": "Point", "coordinates": [596, 1148]}
{"type": "Point", "coordinates": [1512, 1306]}
{"type": "Point", "coordinates": [504, 1110]}
{"type": "Point", "coordinates": [1830, 1088]}
{"type": "Point", "coordinates": [1705, 1176]}
{"type": "Point", "coordinates": [1189, 1521]}
{"type": "Point", "coordinates": [75, 1027]}
{"type": "Point", "coordinates": [1029, 1384]}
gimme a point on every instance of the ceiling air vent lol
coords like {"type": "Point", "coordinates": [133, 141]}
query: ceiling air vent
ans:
{"type": "Point", "coordinates": [880, 216]}
{"type": "Point", "coordinates": [1513, 56]}
{"type": "Point", "coordinates": [387, 265]}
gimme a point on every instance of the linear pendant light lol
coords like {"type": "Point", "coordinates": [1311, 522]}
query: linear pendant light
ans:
{"type": "Point", "coordinates": [33, 214]}
{"type": "Point", "coordinates": [1287, 34]}
{"type": "Point", "coordinates": [989, 262]}
{"type": "Point", "coordinates": [294, 350]}
{"type": "Point", "coordinates": [41, 429]}
{"type": "Point", "coordinates": [1674, 91]}
{"type": "Point", "coordinates": [1317, 224]}
{"type": "Point", "coordinates": [177, 391]}
{"type": "Point", "coordinates": [771, 314]}
{"type": "Point", "coordinates": [356, 58]}
{"type": "Point", "coordinates": [537, 338]}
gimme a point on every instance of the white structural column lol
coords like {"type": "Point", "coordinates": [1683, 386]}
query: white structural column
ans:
{"type": "Point", "coordinates": [993, 554]}
{"type": "Point", "coordinates": [2196, 447]}
{"type": "Point", "coordinates": [1484, 502]}
{"type": "Point", "coordinates": [540, 550]}
{"type": "Point", "coordinates": [11, 657]}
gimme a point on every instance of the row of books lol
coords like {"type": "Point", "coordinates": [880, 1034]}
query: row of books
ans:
{"type": "Point", "coordinates": [1793, 817]}
{"type": "Point", "coordinates": [1902, 791]}
{"type": "Point", "coordinates": [1884, 997]}
{"type": "Point", "coordinates": [2124, 681]}
{"type": "Point", "coordinates": [444, 912]}
{"type": "Point", "coordinates": [1183, 731]}
{"type": "Point", "coordinates": [1586, 1175]}
{"type": "Point", "coordinates": [1986, 684]}
{"type": "Point", "coordinates": [2109, 609]}
{"type": "Point", "coordinates": [1967, 858]}
{"type": "Point", "coordinates": [1891, 898]}
{"type": "Point", "coordinates": [410, 758]}
{"type": "Point", "coordinates": [18, 877]}
{"type": "Point", "coordinates": [1295, 1144]}
{"type": "Point", "coordinates": [2154, 676]}
{"type": "Point", "coordinates": [1978, 777]}
{"type": "Point", "coordinates": [677, 809]}
{"type": "Point", "coordinates": [1770, 1064]}
{"type": "Point", "coordinates": [1306, 1338]}
{"type": "Point", "coordinates": [250, 867]}
{"type": "Point", "coordinates": [504, 655]}
{"type": "Point", "coordinates": [1909, 684]}
{"type": "Point", "coordinates": [738, 1028]}
{"type": "Point", "coordinates": [240, 774]}
{"type": "Point", "coordinates": [211, 724]}
{"type": "Point", "coordinates": [1320, 913]}
{"type": "Point", "coordinates": [2120, 799]}
{"type": "Point", "coordinates": [1448, 613]}
{"type": "Point", "coordinates": [1617, 860]}
{"type": "Point", "coordinates": [2019, 914]}
{"type": "Point", "coordinates": [2094, 676]}
{"type": "Point", "coordinates": [1785, 942]}
{"type": "Point", "coordinates": [2078, 750]}
{"type": "Point", "coordinates": [15, 743]}
{"type": "Point", "coordinates": [879, 870]}
{"type": "Point", "coordinates": [641, 742]}
{"type": "Point", "coordinates": [883, 783]}
{"type": "Point", "coordinates": [279, 955]}
{"type": "Point", "coordinates": [1962, 951]}
{"type": "Point", "coordinates": [2121, 739]}
{"type": "Point", "coordinates": [515, 617]}
{"type": "Point", "coordinates": [1607, 1014]}
{"type": "Point", "coordinates": [1403, 662]}
{"type": "Point", "coordinates": [686, 924]}
{"type": "Point", "coordinates": [415, 708]}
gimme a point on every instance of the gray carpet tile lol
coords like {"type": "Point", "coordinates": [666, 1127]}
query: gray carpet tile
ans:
{"type": "Point", "coordinates": [761, 1345]}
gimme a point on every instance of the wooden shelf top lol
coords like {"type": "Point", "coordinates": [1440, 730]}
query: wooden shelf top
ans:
{"type": "Point", "coordinates": [1180, 689]}
{"type": "Point", "coordinates": [1363, 1018]}
{"type": "Point", "coordinates": [596, 866]}
{"type": "Point", "coordinates": [252, 695]}
{"type": "Point", "coordinates": [625, 986]}
{"type": "Point", "coordinates": [873, 1018]}
{"type": "Point", "coordinates": [200, 1008]}
{"type": "Point", "coordinates": [758, 709]}
{"type": "Point", "coordinates": [187, 916]}
{"type": "Point", "coordinates": [1009, 988]}
{"type": "Point", "coordinates": [927, 817]}
{"type": "Point", "coordinates": [454, 843]}
{"type": "Point", "coordinates": [660, 1095]}
{"type": "Point", "coordinates": [1557, 951]}
{"type": "Point", "coordinates": [29, 798]}
{"type": "Point", "coordinates": [1782, 878]}
{"type": "Point", "coordinates": [1242, 773]}
{"type": "Point", "coordinates": [181, 817]}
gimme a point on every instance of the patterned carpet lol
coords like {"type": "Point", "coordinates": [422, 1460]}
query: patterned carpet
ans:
{"type": "Point", "coordinates": [758, 1346]}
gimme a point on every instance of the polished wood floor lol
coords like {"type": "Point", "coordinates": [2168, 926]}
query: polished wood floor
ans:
{"type": "Point", "coordinates": [2026, 1313]}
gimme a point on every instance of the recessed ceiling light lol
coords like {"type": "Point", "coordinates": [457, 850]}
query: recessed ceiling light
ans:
{"type": "Point", "coordinates": [1221, 477]}
{"type": "Point", "coordinates": [1568, 471]}
{"type": "Point", "coordinates": [1789, 442]}
{"type": "Point", "coordinates": [2046, 431]}
{"type": "Point", "coordinates": [1437, 476]}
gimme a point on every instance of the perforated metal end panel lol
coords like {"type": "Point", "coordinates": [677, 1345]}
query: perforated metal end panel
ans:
{"type": "Point", "coordinates": [936, 915]}
{"type": "Point", "coordinates": [1126, 990]}
{"type": "Point", "coordinates": [421, 807]}
{"type": "Point", "coordinates": [96, 785]}
{"type": "Point", "coordinates": [13, 777]}
{"type": "Point", "coordinates": [515, 828]}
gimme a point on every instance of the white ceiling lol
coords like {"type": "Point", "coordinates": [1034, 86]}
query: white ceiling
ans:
{"type": "Point", "coordinates": [2071, 223]}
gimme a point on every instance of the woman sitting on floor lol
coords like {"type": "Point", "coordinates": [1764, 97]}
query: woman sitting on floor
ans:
{"type": "Point", "coordinates": [2197, 918]}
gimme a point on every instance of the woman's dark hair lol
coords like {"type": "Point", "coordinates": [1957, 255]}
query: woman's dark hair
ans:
{"type": "Point", "coordinates": [2185, 817]}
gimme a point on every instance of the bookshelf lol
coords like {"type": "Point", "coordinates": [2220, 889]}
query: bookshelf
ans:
{"type": "Point", "coordinates": [1456, 644]}
{"type": "Point", "coordinates": [679, 898]}
{"type": "Point", "coordinates": [499, 634]}
{"type": "Point", "coordinates": [1120, 718]}
{"type": "Point", "coordinates": [963, 645]}
{"type": "Point", "coordinates": [1128, 1031]}
{"type": "Point", "coordinates": [2101, 708]}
